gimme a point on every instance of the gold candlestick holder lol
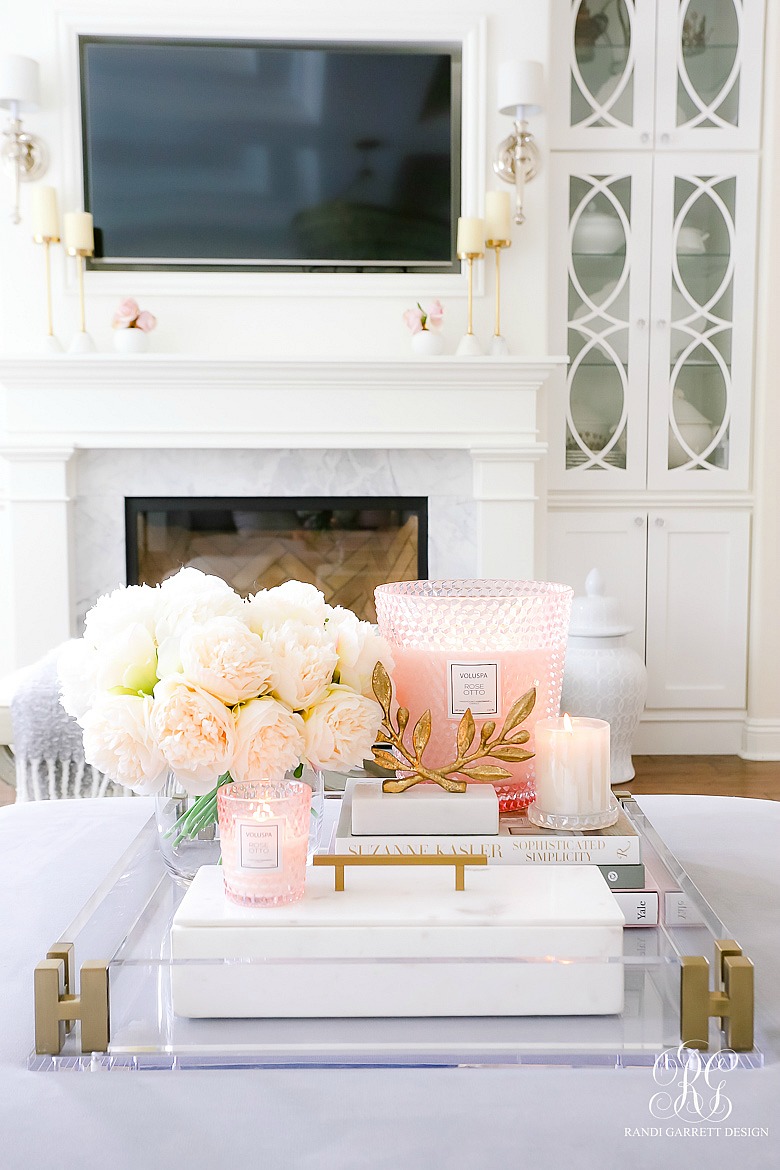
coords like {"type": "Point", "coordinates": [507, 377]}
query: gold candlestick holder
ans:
{"type": "Point", "coordinates": [82, 342]}
{"type": "Point", "coordinates": [498, 345]}
{"type": "Point", "coordinates": [51, 344]}
{"type": "Point", "coordinates": [468, 346]}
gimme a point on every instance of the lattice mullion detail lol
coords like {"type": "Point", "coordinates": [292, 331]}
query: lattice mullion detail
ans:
{"type": "Point", "coordinates": [709, 110]}
{"type": "Point", "coordinates": [602, 111]}
{"type": "Point", "coordinates": [599, 327]}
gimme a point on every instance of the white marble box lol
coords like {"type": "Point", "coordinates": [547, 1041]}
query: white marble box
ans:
{"type": "Point", "coordinates": [425, 808]}
{"type": "Point", "coordinates": [518, 941]}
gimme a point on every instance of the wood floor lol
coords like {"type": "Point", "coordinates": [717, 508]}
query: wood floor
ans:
{"type": "Point", "coordinates": [707, 776]}
{"type": "Point", "coordinates": [684, 775]}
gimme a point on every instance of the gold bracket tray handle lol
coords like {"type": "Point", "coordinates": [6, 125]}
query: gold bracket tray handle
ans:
{"type": "Point", "coordinates": [57, 1007]}
{"type": "Point", "coordinates": [339, 861]}
{"type": "Point", "coordinates": [732, 1000]}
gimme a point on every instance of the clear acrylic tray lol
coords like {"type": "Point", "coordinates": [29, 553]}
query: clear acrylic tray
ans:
{"type": "Point", "coordinates": [126, 926]}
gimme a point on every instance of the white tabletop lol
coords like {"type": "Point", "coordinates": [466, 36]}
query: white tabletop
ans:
{"type": "Point", "coordinates": [52, 855]}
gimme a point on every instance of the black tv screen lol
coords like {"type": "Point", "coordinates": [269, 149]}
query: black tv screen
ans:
{"type": "Point", "coordinates": [270, 155]}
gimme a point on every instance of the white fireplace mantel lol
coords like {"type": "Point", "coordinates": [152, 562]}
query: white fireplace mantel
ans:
{"type": "Point", "coordinates": [167, 400]}
{"type": "Point", "coordinates": [53, 407]}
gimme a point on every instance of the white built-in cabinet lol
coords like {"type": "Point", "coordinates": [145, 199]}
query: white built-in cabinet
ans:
{"type": "Point", "coordinates": [680, 574]}
{"type": "Point", "coordinates": [652, 274]}
{"type": "Point", "coordinates": [658, 75]}
{"type": "Point", "coordinates": [655, 115]}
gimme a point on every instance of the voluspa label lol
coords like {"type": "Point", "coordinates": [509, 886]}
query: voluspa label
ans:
{"type": "Point", "coordinates": [474, 686]}
{"type": "Point", "coordinates": [260, 845]}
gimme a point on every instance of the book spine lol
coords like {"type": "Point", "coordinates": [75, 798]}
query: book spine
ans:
{"type": "Point", "coordinates": [501, 850]}
{"type": "Point", "coordinates": [624, 877]}
{"type": "Point", "coordinates": [679, 910]}
{"type": "Point", "coordinates": [640, 907]}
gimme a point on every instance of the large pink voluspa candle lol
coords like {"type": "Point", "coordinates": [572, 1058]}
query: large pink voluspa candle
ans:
{"type": "Point", "coordinates": [478, 645]}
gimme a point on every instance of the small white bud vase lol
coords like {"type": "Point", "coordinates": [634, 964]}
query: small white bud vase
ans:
{"type": "Point", "coordinates": [604, 678]}
{"type": "Point", "coordinates": [426, 343]}
{"type": "Point", "coordinates": [131, 341]}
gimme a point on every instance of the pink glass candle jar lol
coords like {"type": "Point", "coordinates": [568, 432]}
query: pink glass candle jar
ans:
{"type": "Point", "coordinates": [264, 830]}
{"type": "Point", "coordinates": [478, 645]}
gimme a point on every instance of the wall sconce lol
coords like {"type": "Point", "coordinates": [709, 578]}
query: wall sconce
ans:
{"type": "Point", "coordinates": [23, 155]}
{"type": "Point", "coordinates": [520, 94]}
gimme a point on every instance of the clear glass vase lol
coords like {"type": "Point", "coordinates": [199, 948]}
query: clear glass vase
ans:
{"type": "Point", "coordinates": [184, 854]}
{"type": "Point", "coordinates": [316, 781]}
{"type": "Point", "coordinates": [477, 645]}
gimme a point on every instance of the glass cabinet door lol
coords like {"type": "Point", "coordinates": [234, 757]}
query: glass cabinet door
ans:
{"type": "Point", "coordinates": [704, 224]}
{"type": "Point", "coordinates": [670, 75]}
{"type": "Point", "coordinates": [710, 57]}
{"type": "Point", "coordinates": [602, 67]}
{"type": "Point", "coordinates": [599, 270]}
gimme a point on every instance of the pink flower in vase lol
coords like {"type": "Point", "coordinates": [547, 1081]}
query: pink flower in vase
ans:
{"type": "Point", "coordinates": [435, 314]}
{"type": "Point", "coordinates": [422, 319]}
{"type": "Point", "coordinates": [414, 319]}
{"type": "Point", "coordinates": [125, 314]}
{"type": "Point", "coordinates": [129, 316]}
{"type": "Point", "coordinates": [145, 321]}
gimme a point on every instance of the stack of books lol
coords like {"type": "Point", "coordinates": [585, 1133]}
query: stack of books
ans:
{"type": "Point", "coordinates": [644, 896]}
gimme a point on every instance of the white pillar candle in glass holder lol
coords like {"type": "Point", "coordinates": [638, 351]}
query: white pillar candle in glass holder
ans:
{"type": "Point", "coordinates": [572, 775]}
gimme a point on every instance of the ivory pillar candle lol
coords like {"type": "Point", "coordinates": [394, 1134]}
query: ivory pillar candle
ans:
{"type": "Point", "coordinates": [471, 236]}
{"type": "Point", "coordinates": [45, 214]}
{"type": "Point", "coordinates": [498, 210]}
{"type": "Point", "coordinates": [79, 236]}
{"type": "Point", "coordinates": [572, 774]}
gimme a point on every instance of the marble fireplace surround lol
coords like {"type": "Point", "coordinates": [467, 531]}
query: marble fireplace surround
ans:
{"type": "Point", "coordinates": [81, 433]}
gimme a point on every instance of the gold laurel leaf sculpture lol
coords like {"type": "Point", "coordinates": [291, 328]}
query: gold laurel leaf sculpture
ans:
{"type": "Point", "coordinates": [409, 760]}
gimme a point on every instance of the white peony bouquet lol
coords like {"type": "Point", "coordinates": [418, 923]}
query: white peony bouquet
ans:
{"type": "Point", "coordinates": [190, 678]}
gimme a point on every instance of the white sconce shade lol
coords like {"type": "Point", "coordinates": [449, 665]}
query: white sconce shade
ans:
{"type": "Point", "coordinates": [520, 85]}
{"type": "Point", "coordinates": [22, 154]}
{"type": "Point", "coordinates": [520, 94]}
{"type": "Point", "coordinates": [19, 82]}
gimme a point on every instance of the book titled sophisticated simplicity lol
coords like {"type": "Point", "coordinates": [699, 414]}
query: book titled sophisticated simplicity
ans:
{"type": "Point", "coordinates": [517, 842]}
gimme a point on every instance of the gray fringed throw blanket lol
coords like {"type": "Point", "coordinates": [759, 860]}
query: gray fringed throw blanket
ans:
{"type": "Point", "coordinates": [48, 747]}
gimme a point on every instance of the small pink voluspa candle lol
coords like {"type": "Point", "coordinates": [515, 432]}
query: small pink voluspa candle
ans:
{"type": "Point", "coordinates": [264, 830]}
{"type": "Point", "coordinates": [477, 645]}
{"type": "Point", "coordinates": [573, 775]}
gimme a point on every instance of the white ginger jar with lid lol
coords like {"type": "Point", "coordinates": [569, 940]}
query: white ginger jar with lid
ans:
{"type": "Point", "coordinates": [604, 677]}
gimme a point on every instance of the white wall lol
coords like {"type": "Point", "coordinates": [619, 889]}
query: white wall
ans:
{"type": "Point", "coordinates": [265, 323]}
{"type": "Point", "coordinates": [761, 738]}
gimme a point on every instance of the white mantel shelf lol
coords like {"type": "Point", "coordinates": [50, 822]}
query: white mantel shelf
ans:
{"type": "Point", "coordinates": [167, 400]}
{"type": "Point", "coordinates": [54, 407]}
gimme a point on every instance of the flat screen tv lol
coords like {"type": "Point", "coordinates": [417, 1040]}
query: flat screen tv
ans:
{"type": "Point", "coordinates": [268, 155]}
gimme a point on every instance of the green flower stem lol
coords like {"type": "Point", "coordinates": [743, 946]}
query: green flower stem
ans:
{"type": "Point", "coordinates": [202, 813]}
{"type": "Point", "coordinates": [192, 826]}
{"type": "Point", "coordinates": [196, 817]}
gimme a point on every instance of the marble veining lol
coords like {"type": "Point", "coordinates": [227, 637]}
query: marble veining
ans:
{"type": "Point", "coordinates": [105, 477]}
